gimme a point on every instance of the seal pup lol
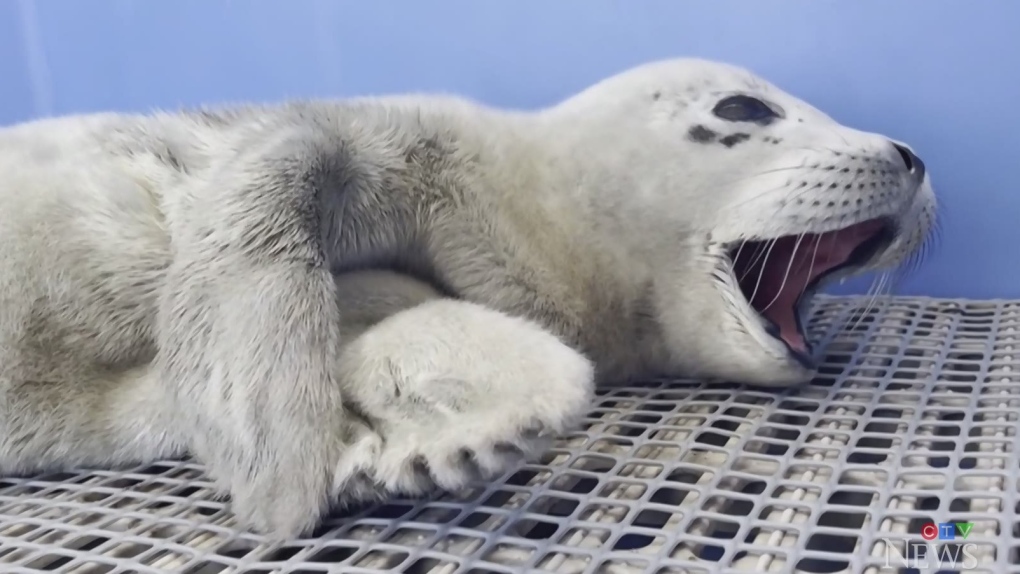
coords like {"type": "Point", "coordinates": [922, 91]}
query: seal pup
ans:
{"type": "Point", "coordinates": [332, 301]}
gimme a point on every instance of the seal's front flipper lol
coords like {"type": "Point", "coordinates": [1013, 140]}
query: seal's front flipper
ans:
{"type": "Point", "coordinates": [248, 332]}
{"type": "Point", "coordinates": [458, 393]}
{"type": "Point", "coordinates": [250, 360]}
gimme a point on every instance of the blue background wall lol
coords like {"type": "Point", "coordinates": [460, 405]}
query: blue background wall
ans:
{"type": "Point", "coordinates": [942, 75]}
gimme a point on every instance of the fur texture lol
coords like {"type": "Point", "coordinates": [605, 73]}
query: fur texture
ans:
{"type": "Point", "coordinates": [327, 302]}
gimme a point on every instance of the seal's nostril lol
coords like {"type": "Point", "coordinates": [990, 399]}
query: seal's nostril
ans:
{"type": "Point", "coordinates": [913, 163]}
{"type": "Point", "coordinates": [906, 155]}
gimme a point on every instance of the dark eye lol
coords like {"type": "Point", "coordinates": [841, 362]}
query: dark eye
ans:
{"type": "Point", "coordinates": [744, 109]}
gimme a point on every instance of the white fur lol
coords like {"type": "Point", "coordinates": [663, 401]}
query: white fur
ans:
{"type": "Point", "coordinates": [448, 379]}
{"type": "Point", "coordinates": [675, 204]}
{"type": "Point", "coordinates": [203, 284]}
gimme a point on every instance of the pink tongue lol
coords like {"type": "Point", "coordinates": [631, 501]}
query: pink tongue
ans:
{"type": "Point", "coordinates": [799, 263]}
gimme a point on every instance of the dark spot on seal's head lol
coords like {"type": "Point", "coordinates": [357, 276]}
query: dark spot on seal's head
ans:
{"type": "Point", "coordinates": [701, 134]}
{"type": "Point", "coordinates": [656, 95]}
{"type": "Point", "coordinates": [733, 139]}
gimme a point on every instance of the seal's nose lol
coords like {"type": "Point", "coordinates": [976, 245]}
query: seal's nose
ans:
{"type": "Point", "coordinates": [913, 163]}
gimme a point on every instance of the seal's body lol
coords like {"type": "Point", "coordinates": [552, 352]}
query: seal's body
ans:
{"type": "Point", "coordinates": [329, 301]}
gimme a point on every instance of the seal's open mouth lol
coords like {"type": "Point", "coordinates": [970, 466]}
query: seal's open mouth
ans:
{"type": "Point", "coordinates": [778, 276]}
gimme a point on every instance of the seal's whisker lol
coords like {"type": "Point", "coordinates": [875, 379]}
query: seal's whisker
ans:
{"type": "Point", "coordinates": [761, 273]}
{"type": "Point", "coordinates": [811, 267]}
{"type": "Point", "coordinates": [771, 171]}
{"type": "Point", "coordinates": [786, 274]}
{"type": "Point", "coordinates": [895, 279]}
{"type": "Point", "coordinates": [740, 249]}
{"type": "Point", "coordinates": [760, 195]}
{"type": "Point", "coordinates": [915, 259]}
{"type": "Point", "coordinates": [798, 193]}
{"type": "Point", "coordinates": [802, 165]}
{"type": "Point", "coordinates": [885, 290]}
{"type": "Point", "coordinates": [841, 136]}
{"type": "Point", "coordinates": [877, 285]}
{"type": "Point", "coordinates": [795, 195]}
{"type": "Point", "coordinates": [832, 241]}
{"type": "Point", "coordinates": [759, 250]}
{"type": "Point", "coordinates": [927, 244]}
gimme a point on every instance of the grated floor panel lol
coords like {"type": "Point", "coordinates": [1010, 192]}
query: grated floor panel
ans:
{"type": "Point", "coordinates": [912, 419]}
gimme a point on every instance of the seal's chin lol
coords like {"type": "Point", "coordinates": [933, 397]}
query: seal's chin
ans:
{"type": "Point", "coordinates": [778, 276]}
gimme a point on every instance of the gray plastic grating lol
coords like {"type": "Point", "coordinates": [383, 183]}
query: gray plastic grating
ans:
{"type": "Point", "coordinates": [914, 421]}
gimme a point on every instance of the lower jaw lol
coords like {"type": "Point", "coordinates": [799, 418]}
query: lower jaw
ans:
{"type": "Point", "coordinates": [806, 356]}
{"type": "Point", "coordinates": [781, 373]}
{"type": "Point", "coordinates": [804, 351]}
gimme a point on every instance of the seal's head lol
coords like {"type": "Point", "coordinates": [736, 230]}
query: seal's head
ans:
{"type": "Point", "coordinates": [737, 202]}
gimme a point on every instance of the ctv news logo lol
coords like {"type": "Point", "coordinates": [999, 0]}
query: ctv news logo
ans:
{"type": "Point", "coordinates": [946, 530]}
{"type": "Point", "coordinates": [944, 547]}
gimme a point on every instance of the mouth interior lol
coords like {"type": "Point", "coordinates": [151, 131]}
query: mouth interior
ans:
{"type": "Point", "coordinates": [775, 274]}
